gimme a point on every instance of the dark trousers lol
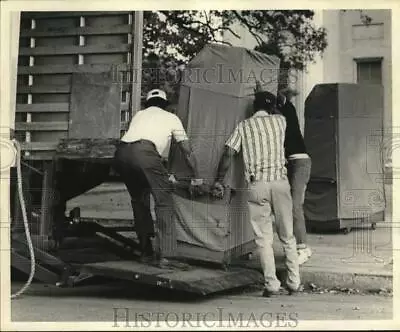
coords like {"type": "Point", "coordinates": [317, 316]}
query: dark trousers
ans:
{"type": "Point", "coordinates": [299, 174]}
{"type": "Point", "coordinates": [141, 168]}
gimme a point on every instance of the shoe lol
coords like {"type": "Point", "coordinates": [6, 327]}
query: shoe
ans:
{"type": "Point", "coordinates": [304, 255]}
{"type": "Point", "coordinates": [270, 293]}
{"type": "Point", "coordinates": [148, 249]}
{"type": "Point", "coordinates": [147, 259]}
{"type": "Point", "coordinates": [293, 291]}
{"type": "Point", "coordinates": [164, 263]}
{"type": "Point", "coordinates": [146, 246]}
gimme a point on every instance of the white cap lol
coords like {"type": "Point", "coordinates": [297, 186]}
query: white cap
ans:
{"type": "Point", "coordinates": [156, 93]}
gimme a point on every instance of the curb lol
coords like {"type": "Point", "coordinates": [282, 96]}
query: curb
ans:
{"type": "Point", "coordinates": [330, 279]}
{"type": "Point", "coordinates": [363, 282]}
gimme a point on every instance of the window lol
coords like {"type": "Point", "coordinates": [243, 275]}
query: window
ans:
{"type": "Point", "coordinates": [369, 71]}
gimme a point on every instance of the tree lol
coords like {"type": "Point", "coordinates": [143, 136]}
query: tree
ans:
{"type": "Point", "coordinates": [288, 34]}
{"type": "Point", "coordinates": [177, 36]}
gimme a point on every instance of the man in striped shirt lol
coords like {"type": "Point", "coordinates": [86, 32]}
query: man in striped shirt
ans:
{"type": "Point", "coordinates": [261, 141]}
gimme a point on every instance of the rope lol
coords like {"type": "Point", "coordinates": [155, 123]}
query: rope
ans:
{"type": "Point", "coordinates": [26, 224]}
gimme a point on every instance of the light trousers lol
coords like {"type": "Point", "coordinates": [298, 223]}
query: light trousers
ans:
{"type": "Point", "coordinates": [266, 199]}
{"type": "Point", "coordinates": [299, 174]}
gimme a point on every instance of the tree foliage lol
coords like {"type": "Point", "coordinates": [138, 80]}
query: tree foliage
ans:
{"type": "Point", "coordinates": [172, 38]}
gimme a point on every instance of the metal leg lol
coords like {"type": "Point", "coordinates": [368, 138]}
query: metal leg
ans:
{"type": "Point", "coordinates": [42, 274]}
{"type": "Point", "coordinates": [346, 230]}
{"type": "Point", "coordinates": [48, 197]}
{"type": "Point", "coordinates": [74, 281]}
{"type": "Point", "coordinates": [61, 269]}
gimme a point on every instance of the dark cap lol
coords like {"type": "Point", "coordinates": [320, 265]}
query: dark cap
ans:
{"type": "Point", "coordinates": [265, 99]}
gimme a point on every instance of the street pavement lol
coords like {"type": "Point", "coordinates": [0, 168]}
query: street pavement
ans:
{"type": "Point", "coordinates": [349, 277]}
{"type": "Point", "coordinates": [361, 259]}
{"type": "Point", "coordinates": [114, 302]}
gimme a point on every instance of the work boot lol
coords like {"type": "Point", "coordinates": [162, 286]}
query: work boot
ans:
{"type": "Point", "coordinates": [172, 263]}
{"type": "Point", "coordinates": [168, 263]}
{"type": "Point", "coordinates": [293, 291]}
{"type": "Point", "coordinates": [148, 259]}
{"type": "Point", "coordinates": [146, 249]}
{"type": "Point", "coordinates": [304, 254]}
{"type": "Point", "coordinates": [273, 293]}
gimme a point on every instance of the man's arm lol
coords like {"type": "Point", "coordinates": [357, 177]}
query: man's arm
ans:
{"type": "Point", "coordinates": [232, 146]}
{"type": "Point", "coordinates": [190, 158]}
{"type": "Point", "coordinates": [224, 163]}
{"type": "Point", "coordinates": [218, 189]}
{"type": "Point", "coordinates": [181, 138]}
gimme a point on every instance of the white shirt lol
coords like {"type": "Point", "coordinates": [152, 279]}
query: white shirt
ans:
{"type": "Point", "coordinates": [156, 125]}
{"type": "Point", "coordinates": [299, 156]}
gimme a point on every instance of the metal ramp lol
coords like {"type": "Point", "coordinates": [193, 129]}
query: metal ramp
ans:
{"type": "Point", "coordinates": [121, 262]}
{"type": "Point", "coordinates": [194, 279]}
{"type": "Point", "coordinates": [91, 249]}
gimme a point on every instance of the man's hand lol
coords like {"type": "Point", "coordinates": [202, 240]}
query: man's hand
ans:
{"type": "Point", "coordinates": [218, 190]}
{"type": "Point", "coordinates": [196, 187]}
{"type": "Point", "coordinates": [172, 179]}
{"type": "Point", "coordinates": [190, 158]}
{"type": "Point", "coordinates": [196, 182]}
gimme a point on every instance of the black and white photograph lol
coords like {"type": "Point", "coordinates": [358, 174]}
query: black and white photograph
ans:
{"type": "Point", "coordinates": [198, 167]}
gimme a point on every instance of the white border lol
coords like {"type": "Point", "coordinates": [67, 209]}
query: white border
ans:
{"type": "Point", "coordinates": [15, 5]}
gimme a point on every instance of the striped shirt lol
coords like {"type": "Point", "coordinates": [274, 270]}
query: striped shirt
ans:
{"type": "Point", "coordinates": [261, 139]}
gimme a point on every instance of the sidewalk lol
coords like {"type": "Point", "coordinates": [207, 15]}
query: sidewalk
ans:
{"type": "Point", "coordinates": [361, 259]}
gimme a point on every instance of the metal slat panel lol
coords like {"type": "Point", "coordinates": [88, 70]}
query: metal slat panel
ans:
{"type": "Point", "coordinates": [44, 89]}
{"type": "Point", "coordinates": [68, 69]}
{"type": "Point", "coordinates": [63, 50]}
{"type": "Point", "coordinates": [104, 45]}
{"type": "Point", "coordinates": [39, 146]}
{"type": "Point", "coordinates": [83, 31]}
{"type": "Point", "coordinates": [39, 155]}
{"type": "Point", "coordinates": [55, 88]}
{"type": "Point", "coordinates": [42, 15]}
{"type": "Point", "coordinates": [43, 108]}
{"type": "Point", "coordinates": [41, 126]}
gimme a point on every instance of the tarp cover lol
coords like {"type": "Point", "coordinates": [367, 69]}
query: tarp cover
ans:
{"type": "Point", "coordinates": [203, 222]}
{"type": "Point", "coordinates": [231, 70]}
{"type": "Point", "coordinates": [211, 104]}
{"type": "Point", "coordinates": [343, 135]}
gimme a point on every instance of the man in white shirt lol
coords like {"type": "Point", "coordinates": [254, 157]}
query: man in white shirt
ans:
{"type": "Point", "coordinates": [139, 161]}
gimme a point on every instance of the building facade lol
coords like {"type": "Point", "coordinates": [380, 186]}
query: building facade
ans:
{"type": "Point", "coordinates": [356, 53]}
